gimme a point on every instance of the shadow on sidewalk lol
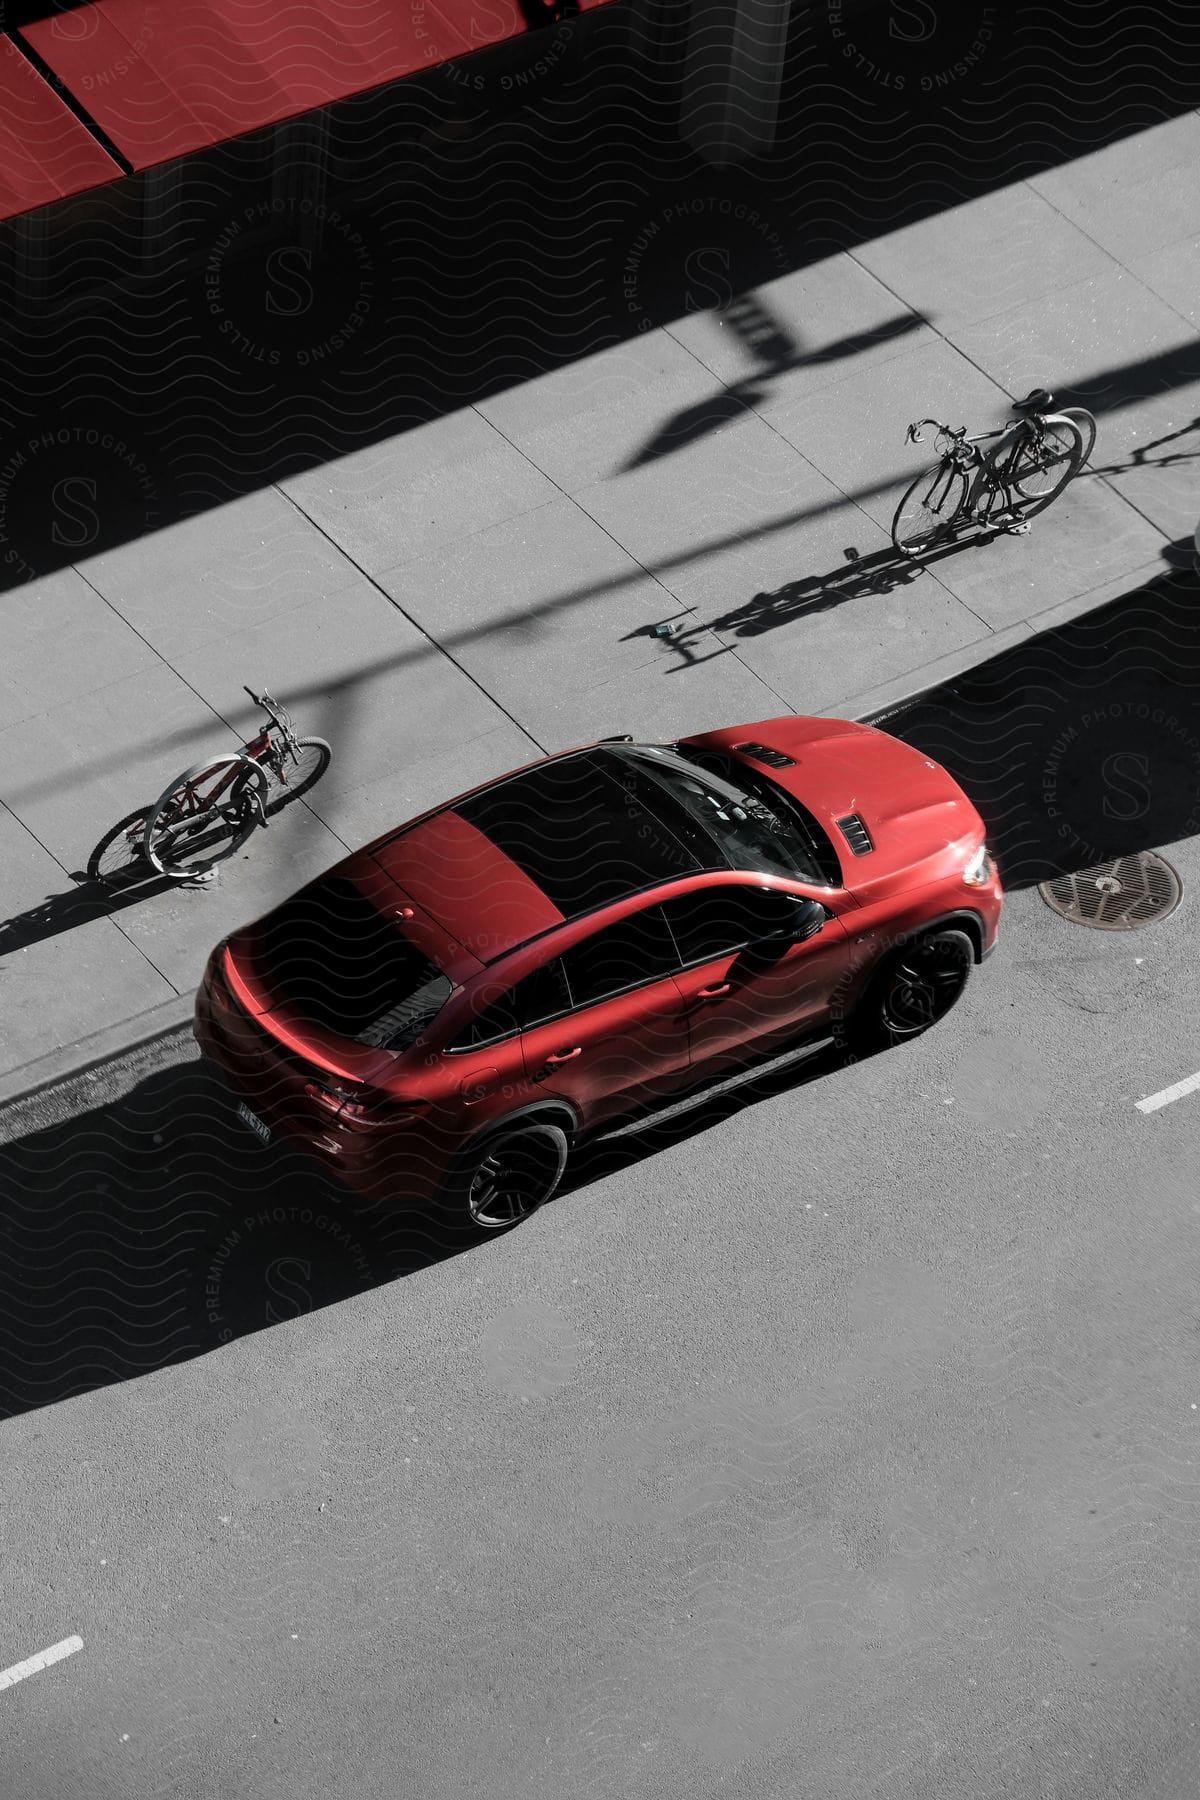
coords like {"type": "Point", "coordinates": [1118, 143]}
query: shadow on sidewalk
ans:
{"type": "Point", "coordinates": [770, 343]}
{"type": "Point", "coordinates": [1087, 682]}
{"type": "Point", "coordinates": [879, 573]}
{"type": "Point", "coordinates": [1142, 459]}
{"type": "Point", "coordinates": [198, 331]}
{"type": "Point", "coordinates": [80, 905]}
{"type": "Point", "coordinates": [1083, 743]}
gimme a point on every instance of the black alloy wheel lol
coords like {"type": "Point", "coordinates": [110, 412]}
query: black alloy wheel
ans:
{"type": "Point", "coordinates": [916, 987]}
{"type": "Point", "coordinates": [513, 1172]}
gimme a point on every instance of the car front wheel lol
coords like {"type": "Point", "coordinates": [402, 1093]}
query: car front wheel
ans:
{"type": "Point", "coordinates": [916, 986]}
{"type": "Point", "coordinates": [508, 1174]}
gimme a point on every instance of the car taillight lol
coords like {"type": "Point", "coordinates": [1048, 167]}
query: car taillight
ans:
{"type": "Point", "coordinates": [978, 871]}
{"type": "Point", "coordinates": [329, 1098]}
{"type": "Point", "coordinates": [218, 992]}
{"type": "Point", "coordinates": [364, 1115]}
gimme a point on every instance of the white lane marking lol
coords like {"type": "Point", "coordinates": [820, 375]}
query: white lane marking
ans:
{"type": "Point", "coordinates": [1168, 1094]}
{"type": "Point", "coordinates": [33, 1665]}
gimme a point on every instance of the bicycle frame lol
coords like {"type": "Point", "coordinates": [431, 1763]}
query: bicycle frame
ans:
{"type": "Point", "coordinates": [985, 485]}
{"type": "Point", "coordinates": [198, 800]}
{"type": "Point", "coordinates": [1027, 463]}
{"type": "Point", "coordinates": [222, 800]}
{"type": "Point", "coordinates": [279, 720]}
{"type": "Point", "coordinates": [254, 750]}
{"type": "Point", "coordinates": [989, 482]}
{"type": "Point", "coordinates": [193, 793]}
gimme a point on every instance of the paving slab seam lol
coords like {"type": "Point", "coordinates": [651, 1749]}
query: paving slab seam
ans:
{"type": "Point", "coordinates": [439, 649]}
{"type": "Point", "coordinates": [574, 500]}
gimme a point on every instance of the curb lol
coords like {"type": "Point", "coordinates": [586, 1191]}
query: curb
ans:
{"type": "Point", "coordinates": [873, 707]}
{"type": "Point", "coordinates": [172, 1018]}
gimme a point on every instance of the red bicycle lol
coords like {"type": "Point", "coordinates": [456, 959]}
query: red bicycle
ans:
{"type": "Point", "coordinates": [206, 815]}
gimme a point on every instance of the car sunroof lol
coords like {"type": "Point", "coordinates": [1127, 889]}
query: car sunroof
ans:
{"type": "Point", "coordinates": [588, 830]}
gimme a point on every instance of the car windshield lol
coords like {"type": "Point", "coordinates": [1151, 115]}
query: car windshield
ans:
{"type": "Point", "coordinates": [754, 830]}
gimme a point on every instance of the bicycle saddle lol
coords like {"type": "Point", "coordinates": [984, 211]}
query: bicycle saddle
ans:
{"type": "Point", "coordinates": [1041, 400]}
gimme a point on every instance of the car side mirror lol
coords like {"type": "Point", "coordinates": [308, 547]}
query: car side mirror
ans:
{"type": "Point", "coordinates": [810, 917]}
{"type": "Point", "coordinates": [807, 919]}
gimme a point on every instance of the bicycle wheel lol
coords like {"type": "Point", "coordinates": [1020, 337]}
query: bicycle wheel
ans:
{"type": "Point", "coordinates": [1041, 469]}
{"type": "Point", "coordinates": [929, 508]}
{"type": "Point", "coordinates": [1087, 429]}
{"type": "Point", "coordinates": [294, 775]}
{"type": "Point", "coordinates": [120, 856]}
{"type": "Point", "coordinates": [204, 817]}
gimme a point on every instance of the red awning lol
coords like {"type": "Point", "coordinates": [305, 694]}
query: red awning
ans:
{"type": "Point", "coordinates": [102, 66]}
{"type": "Point", "coordinates": [161, 78]}
{"type": "Point", "coordinates": [45, 153]}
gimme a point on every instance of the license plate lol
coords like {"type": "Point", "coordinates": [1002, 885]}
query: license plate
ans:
{"type": "Point", "coordinates": [254, 1122]}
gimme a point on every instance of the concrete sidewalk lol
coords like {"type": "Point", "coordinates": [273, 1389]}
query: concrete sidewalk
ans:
{"type": "Point", "coordinates": [480, 590]}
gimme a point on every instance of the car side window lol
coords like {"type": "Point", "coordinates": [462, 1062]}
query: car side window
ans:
{"type": "Point", "coordinates": [716, 921]}
{"type": "Point", "coordinates": [543, 995]}
{"type": "Point", "coordinates": [636, 950]}
{"type": "Point", "coordinates": [540, 996]}
{"type": "Point", "coordinates": [494, 1019]}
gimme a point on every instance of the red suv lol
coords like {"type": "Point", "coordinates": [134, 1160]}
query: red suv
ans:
{"type": "Point", "coordinates": [442, 1015]}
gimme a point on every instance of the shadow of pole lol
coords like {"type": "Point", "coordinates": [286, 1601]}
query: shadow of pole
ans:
{"type": "Point", "coordinates": [772, 346]}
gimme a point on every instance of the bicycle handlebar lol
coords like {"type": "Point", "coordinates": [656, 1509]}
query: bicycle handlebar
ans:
{"type": "Point", "coordinates": [913, 435]}
{"type": "Point", "coordinates": [279, 714]}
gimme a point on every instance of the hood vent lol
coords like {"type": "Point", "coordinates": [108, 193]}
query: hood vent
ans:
{"type": "Point", "coordinates": [855, 834]}
{"type": "Point", "coordinates": [775, 758]}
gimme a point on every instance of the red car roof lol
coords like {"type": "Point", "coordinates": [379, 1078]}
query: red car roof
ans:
{"type": "Point", "coordinates": [474, 891]}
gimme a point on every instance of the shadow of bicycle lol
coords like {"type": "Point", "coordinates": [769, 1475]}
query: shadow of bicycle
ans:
{"type": "Point", "coordinates": [857, 578]}
{"type": "Point", "coordinates": [1141, 457]}
{"type": "Point", "coordinates": [80, 905]}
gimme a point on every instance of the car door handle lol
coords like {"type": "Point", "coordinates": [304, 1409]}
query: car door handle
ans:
{"type": "Point", "coordinates": [712, 992]}
{"type": "Point", "coordinates": [562, 1056]}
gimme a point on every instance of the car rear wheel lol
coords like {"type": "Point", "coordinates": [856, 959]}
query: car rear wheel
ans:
{"type": "Point", "coordinates": [917, 986]}
{"type": "Point", "coordinates": [509, 1174]}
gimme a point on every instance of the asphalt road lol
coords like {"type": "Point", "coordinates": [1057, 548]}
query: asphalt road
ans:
{"type": "Point", "coordinates": [840, 1439]}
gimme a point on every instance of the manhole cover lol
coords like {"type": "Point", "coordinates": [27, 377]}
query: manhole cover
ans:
{"type": "Point", "coordinates": [1123, 895]}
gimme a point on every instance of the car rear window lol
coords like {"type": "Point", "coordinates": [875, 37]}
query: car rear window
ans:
{"type": "Point", "coordinates": [330, 956]}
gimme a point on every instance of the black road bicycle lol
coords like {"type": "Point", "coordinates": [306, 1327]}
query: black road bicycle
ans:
{"type": "Point", "coordinates": [1036, 454]}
